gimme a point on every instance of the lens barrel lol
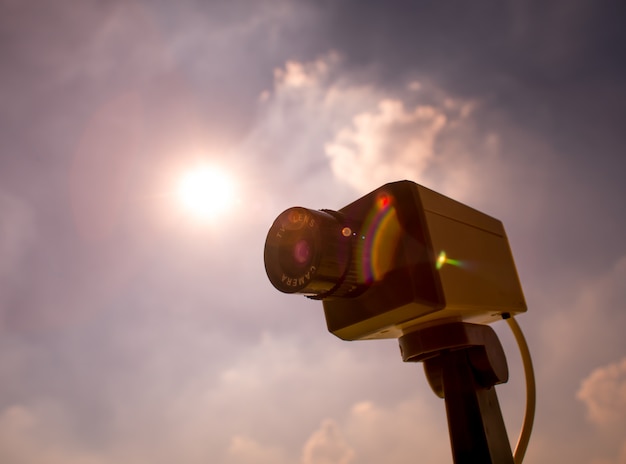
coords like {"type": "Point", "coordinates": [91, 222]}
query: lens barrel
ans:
{"type": "Point", "coordinates": [308, 252]}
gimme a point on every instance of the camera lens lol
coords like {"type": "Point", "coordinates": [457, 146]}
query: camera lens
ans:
{"type": "Point", "coordinates": [307, 251]}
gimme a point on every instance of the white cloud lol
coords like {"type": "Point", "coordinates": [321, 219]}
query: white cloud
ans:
{"type": "Point", "coordinates": [309, 102]}
{"type": "Point", "coordinates": [243, 450]}
{"type": "Point", "coordinates": [296, 74]}
{"type": "Point", "coordinates": [604, 394]}
{"type": "Point", "coordinates": [322, 126]}
{"type": "Point", "coordinates": [327, 446]}
{"type": "Point", "coordinates": [297, 398]}
{"type": "Point", "coordinates": [390, 143]}
{"type": "Point", "coordinates": [413, 429]}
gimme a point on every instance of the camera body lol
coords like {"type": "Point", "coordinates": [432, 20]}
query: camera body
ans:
{"type": "Point", "coordinates": [399, 258]}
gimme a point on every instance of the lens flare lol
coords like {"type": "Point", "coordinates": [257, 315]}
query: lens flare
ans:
{"type": "Point", "coordinates": [379, 242]}
{"type": "Point", "coordinates": [443, 259]}
{"type": "Point", "coordinates": [383, 201]}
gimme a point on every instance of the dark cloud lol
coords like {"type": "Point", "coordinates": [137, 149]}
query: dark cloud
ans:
{"type": "Point", "coordinates": [554, 67]}
{"type": "Point", "coordinates": [547, 71]}
{"type": "Point", "coordinates": [484, 45]}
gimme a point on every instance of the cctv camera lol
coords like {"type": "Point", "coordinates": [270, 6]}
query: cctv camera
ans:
{"type": "Point", "coordinates": [401, 257]}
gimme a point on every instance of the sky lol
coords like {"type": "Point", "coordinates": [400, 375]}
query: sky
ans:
{"type": "Point", "coordinates": [134, 331]}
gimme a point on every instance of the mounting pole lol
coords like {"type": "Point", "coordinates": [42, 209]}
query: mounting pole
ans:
{"type": "Point", "coordinates": [463, 363]}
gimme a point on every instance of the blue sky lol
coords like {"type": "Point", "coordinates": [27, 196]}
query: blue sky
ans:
{"type": "Point", "coordinates": [131, 331]}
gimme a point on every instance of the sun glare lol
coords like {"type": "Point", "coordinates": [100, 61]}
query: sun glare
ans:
{"type": "Point", "coordinates": [206, 192]}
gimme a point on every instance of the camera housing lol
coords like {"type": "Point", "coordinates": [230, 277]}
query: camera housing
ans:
{"type": "Point", "coordinates": [399, 258]}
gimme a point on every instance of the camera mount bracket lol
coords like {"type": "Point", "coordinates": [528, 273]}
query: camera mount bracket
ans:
{"type": "Point", "coordinates": [463, 362]}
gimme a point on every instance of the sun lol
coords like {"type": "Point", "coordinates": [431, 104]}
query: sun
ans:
{"type": "Point", "coordinates": [206, 192]}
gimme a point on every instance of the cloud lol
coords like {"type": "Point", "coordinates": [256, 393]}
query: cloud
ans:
{"type": "Point", "coordinates": [182, 351]}
{"type": "Point", "coordinates": [322, 124]}
{"type": "Point", "coordinates": [334, 127]}
{"type": "Point", "coordinates": [604, 394]}
{"type": "Point", "coordinates": [620, 459]}
{"type": "Point", "coordinates": [17, 237]}
{"type": "Point", "coordinates": [243, 450]}
{"type": "Point", "coordinates": [16, 234]}
{"type": "Point", "coordinates": [102, 167]}
{"type": "Point", "coordinates": [308, 102]}
{"type": "Point", "coordinates": [415, 426]}
{"type": "Point", "coordinates": [388, 144]}
{"type": "Point", "coordinates": [27, 435]}
{"type": "Point", "coordinates": [594, 312]}
{"type": "Point", "coordinates": [327, 446]}
{"type": "Point", "coordinates": [577, 327]}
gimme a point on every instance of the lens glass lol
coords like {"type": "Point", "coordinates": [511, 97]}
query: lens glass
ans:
{"type": "Point", "coordinates": [302, 252]}
{"type": "Point", "coordinates": [297, 252]}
